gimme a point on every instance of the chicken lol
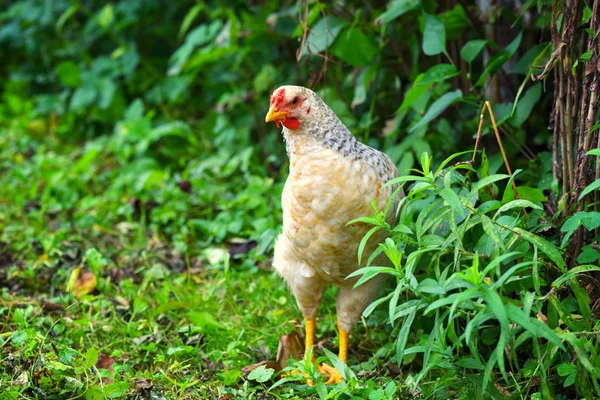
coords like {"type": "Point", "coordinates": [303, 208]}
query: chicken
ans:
{"type": "Point", "coordinates": [333, 179]}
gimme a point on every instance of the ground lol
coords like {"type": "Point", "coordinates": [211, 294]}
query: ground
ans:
{"type": "Point", "coordinates": [100, 296]}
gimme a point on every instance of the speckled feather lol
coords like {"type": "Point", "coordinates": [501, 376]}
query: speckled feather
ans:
{"type": "Point", "coordinates": [333, 178]}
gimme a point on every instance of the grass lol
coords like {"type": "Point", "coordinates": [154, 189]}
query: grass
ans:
{"type": "Point", "coordinates": [107, 292]}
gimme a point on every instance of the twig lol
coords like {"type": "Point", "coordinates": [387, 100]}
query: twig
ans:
{"type": "Point", "coordinates": [488, 106]}
{"type": "Point", "coordinates": [499, 139]}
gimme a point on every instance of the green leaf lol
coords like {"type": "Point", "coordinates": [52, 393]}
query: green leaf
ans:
{"type": "Point", "coordinates": [525, 193]}
{"type": "Point", "coordinates": [587, 56]}
{"type": "Point", "coordinates": [396, 9]}
{"type": "Point", "coordinates": [572, 273]}
{"type": "Point", "coordinates": [367, 273]}
{"type": "Point", "coordinates": [526, 104]}
{"type": "Point", "coordinates": [488, 180]}
{"type": "Point", "coordinates": [438, 106]}
{"type": "Point", "coordinates": [374, 305]}
{"type": "Point", "coordinates": [413, 94]}
{"type": "Point", "coordinates": [545, 247]}
{"type": "Point", "coordinates": [205, 321]}
{"type": "Point", "coordinates": [593, 186]}
{"type": "Point", "coordinates": [582, 354]}
{"type": "Point", "coordinates": [497, 307]}
{"type": "Point", "coordinates": [489, 366]}
{"type": "Point", "coordinates": [532, 325]}
{"type": "Point", "coordinates": [106, 90]}
{"type": "Point", "coordinates": [407, 179]}
{"type": "Point", "coordinates": [261, 374]}
{"type": "Point", "coordinates": [341, 366]}
{"type": "Point", "coordinates": [471, 49]}
{"type": "Point", "coordinates": [516, 204]}
{"type": "Point", "coordinates": [264, 79]}
{"type": "Point", "coordinates": [95, 260]}
{"type": "Point", "coordinates": [594, 152]}
{"type": "Point", "coordinates": [434, 36]}
{"type": "Point", "coordinates": [366, 220]}
{"type": "Point", "coordinates": [83, 97]}
{"type": "Point", "coordinates": [356, 48]}
{"type": "Point", "coordinates": [570, 380]}
{"type": "Point", "coordinates": [432, 286]}
{"type": "Point", "coordinates": [590, 220]}
{"type": "Point", "coordinates": [588, 255]}
{"type": "Point", "coordinates": [438, 73]}
{"type": "Point", "coordinates": [62, 20]}
{"type": "Point", "coordinates": [91, 357]}
{"type": "Point", "coordinates": [199, 36]}
{"type": "Point", "coordinates": [587, 14]}
{"type": "Point", "coordinates": [189, 19]}
{"type": "Point", "coordinates": [365, 239]}
{"type": "Point", "coordinates": [453, 201]}
{"type": "Point", "coordinates": [403, 335]}
{"type": "Point", "coordinates": [323, 34]}
{"type": "Point", "coordinates": [499, 59]}
{"type": "Point", "coordinates": [106, 16]}
{"type": "Point", "coordinates": [459, 297]}
{"type": "Point", "coordinates": [69, 73]}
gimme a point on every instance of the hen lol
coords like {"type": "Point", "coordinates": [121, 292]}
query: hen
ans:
{"type": "Point", "coordinates": [333, 179]}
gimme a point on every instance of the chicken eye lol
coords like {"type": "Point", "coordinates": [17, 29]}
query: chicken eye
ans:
{"type": "Point", "coordinates": [295, 100]}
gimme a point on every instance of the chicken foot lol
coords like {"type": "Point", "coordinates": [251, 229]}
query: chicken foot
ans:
{"type": "Point", "coordinates": [325, 369]}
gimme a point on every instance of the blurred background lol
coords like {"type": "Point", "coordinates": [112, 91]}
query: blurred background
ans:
{"type": "Point", "coordinates": [159, 106]}
{"type": "Point", "coordinates": [138, 175]}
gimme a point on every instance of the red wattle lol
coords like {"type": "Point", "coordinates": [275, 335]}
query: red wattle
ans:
{"type": "Point", "coordinates": [291, 123]}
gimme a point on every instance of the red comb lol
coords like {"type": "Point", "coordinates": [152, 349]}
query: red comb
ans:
{"type": "Point", "coordinates": [278, 97]}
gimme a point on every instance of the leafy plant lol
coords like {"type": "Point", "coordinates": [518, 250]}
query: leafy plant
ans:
{"type": "Point", "coordinates": [480, 287]}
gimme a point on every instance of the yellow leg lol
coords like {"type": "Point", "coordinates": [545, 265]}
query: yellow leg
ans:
{"type": "Point", "coordinates": [310, 335]}
{"type": "Point", "coordinates": [343, 335]}
{"type": "Point", "coordinates": [334, 374]}
{"type": "Point", "coordinates": [309, 341]}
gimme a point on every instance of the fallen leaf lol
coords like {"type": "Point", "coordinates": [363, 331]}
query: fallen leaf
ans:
{"type": "Point", "coordinates": [105, 362]}
{"type": "Point", "coordinates": [143, 385]}
{"type": "Point", "coordinates": [81, 282]}
{"type": "Point", "coordinates": [267, 364]}
{"type": "Point", "coordinates": [22, 380]}
{"type": "Point", "coordinates": [121, 303]}
{"type": "Point", "coordinates": [240, 246]}
{"type": "Point", "coordinates": [503, 390]}
{"type": "Point", "coordinates": [49, 306]}
{"type": "Point", "coordinates": [542, 317]}
{"type": "Point", "coordinates": [290, 346]}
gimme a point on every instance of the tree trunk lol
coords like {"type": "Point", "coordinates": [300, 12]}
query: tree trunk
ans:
{"type": "Point", "coordinates": [577, 91]}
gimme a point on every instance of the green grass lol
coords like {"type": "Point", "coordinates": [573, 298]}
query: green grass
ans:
{"type": "Point", "coordinates": [174, 312]}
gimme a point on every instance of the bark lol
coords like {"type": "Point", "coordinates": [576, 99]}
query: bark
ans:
{"type": "Point", "coordinates": [576, 96]}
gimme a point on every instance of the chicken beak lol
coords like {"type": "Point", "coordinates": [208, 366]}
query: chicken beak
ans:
{"type": "Point", "coordinates": [274, 114]}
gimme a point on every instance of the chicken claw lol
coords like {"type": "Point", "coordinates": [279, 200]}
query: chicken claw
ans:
{"type": "Point", "coordinates": [334, 375]}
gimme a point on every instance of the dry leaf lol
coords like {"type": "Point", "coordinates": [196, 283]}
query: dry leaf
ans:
{"type": "Point", "coordinates": [240, 246]}
{"type": "Point", "coordinates": [143, 385]}
{"type": "Point", "coordinates": [105, 362]}
{"type": "Point", "coordinates": [503, 391]}
{"type": "Point", "coordinates": [268, 364]}
{"type": "Point", "coordinates": [290, 346]}
{"type": "Point", "coordinates": [81, 282]}
{"type": "Point", "coordinates": [50, 306]}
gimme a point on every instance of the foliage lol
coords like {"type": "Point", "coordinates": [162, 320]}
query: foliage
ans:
{"type": "Point", "coordinates": [485, 292]}
{"type": "Point", "coordinates": [140, 198]}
